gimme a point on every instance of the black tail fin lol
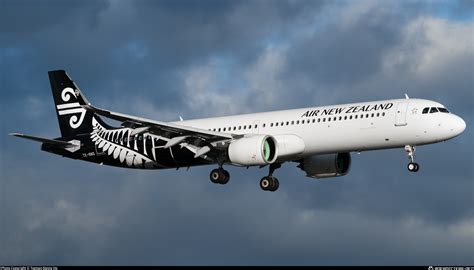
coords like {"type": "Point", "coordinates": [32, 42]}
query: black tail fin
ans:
{"type": "Point", "coordinates": [73, 119]}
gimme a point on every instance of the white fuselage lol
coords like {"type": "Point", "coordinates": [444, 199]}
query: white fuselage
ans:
{"type": "Point", "coordinates": [345, 128]}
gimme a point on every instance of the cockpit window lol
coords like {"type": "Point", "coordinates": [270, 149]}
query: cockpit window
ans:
{"type": "Point", "coordinates": [443, 110]}
{"type": "Point", "coordinates": [433, 110]}
{"type": "Point", "coordinates": [426, 110]}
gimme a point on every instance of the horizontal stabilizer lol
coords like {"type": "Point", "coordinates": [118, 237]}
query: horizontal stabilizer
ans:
{"type": "Point", "coordinates": [43, 140]}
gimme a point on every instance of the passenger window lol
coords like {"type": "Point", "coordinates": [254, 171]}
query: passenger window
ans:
{"type": "Point", "coordinates": [292, 122]}
{"type": "Point", "coordinates": [219, 129]}
{"type": "Point", "coordinates": [324, 119]}
{"type": "Point", "coordinates": [433, 110]}
{"type": "Point", "coordinates": [287, 123]}
{"type": "Point", "coordinates": [271, 124]}
{"type": "Point", "coordinates": [276, 124]}
{"type": "Point", "coordinates": [335, 118]}
{"type": "Point", "coordinates": [255, 126]}
{"type": "Point", "coordinates": [355, 116]}
{"type": "Point", "coordinates": [329, 119]}
{"type": "Point", "coordinates": [314, 120]}
{"type": "Point", "coordinates": [372, 115]}
{"type": "Point", "coordinates": [425, 110]}
{"type": "Point", "coordinates": [345, 117]}
{"type": "Point", "coordinates": [383, 114]}
{"type": "Point", "coordinates": [223, 129]}
{"type": "Point", "coordinates": [319, 120]}
{"type": "Point", "coordinates": [378, 114]}
{"type": "Point", "coordinates": [350, 117]}
{"type": "Point", "coordinates": [297, 122]}
{"type": "Point", "coordinates": [264, 125]}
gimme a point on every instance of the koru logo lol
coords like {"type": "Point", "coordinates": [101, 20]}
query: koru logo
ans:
{"type": "Point", "coordinates": [73, 108]}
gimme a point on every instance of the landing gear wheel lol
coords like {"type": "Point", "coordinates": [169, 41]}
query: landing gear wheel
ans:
{"type": "Point", "coordinates": [417, 167]}
{"type": "Point", "coordinates": [219, 176]}
{"type": "Point", "coordinates": [226, 177]}
{"type": "Point", "coordinates": [265, 183]}
{"type": "Point", "coordinates": [275, 184]}
{"type": "Point", "coordinates": [215, 176]}
{"type": "Point", "coordinates": [269, 183]}
{"type": "Point", "coordinates": [413, 167]}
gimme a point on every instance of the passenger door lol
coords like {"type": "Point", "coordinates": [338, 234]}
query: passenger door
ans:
{"type": "Point", "coordinates": [401, 114]}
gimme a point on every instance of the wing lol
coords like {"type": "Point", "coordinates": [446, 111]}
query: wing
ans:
{"type": "Point", "coordinates": [178, 130]}
{"type": "Point", "coordinates": [200, 141]}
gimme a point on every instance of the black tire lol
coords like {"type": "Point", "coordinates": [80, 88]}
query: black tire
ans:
{"type": "Point", "coordinates": [215, 176]}
{"type": "Point", "coordinates": [265, 183]}
{"type": "Point", "coordinates": [275, 184]}
{"type": "Point", "coordinates": [225, 178]}
{"type": "Point", "coordinates": [417, 167]}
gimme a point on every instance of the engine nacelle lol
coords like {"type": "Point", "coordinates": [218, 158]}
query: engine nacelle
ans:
{"type": "Point", "coordinates": [322, 166]}
{"type": "Point", "coordinates": [253, 150]}
{"type": "Point", "coordinates": [289, 146]}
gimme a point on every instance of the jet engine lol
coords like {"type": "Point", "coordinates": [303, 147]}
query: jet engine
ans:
{"type": "Point", "coordinates": [253, 150]}
{"type": "Point", "coordinates": [322, 166]}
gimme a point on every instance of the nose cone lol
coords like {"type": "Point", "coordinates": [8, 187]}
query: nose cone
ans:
{"type": "Point", "coordinates": [457, 125]}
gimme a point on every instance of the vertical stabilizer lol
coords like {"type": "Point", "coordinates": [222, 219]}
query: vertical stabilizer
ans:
{"type": "Point", "coordinates": [72, 117]}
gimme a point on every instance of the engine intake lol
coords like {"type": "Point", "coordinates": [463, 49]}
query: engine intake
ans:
{"type": "Point", "coordinates": [322, 166]}
{"type": "Point", "coordinates": [253, 150]}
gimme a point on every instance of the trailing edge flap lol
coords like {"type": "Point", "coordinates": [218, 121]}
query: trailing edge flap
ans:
{"type": "Point", "coordinates": [179, 130]}
{"type": "Point", "coordinates": [43, 140]}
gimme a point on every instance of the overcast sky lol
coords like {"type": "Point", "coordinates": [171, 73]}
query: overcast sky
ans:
{"type": "Point", "coordinates": [163, 59]}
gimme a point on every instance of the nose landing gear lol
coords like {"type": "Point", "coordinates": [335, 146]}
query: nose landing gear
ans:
{"type": "Point", "coordinates": [412, 166]}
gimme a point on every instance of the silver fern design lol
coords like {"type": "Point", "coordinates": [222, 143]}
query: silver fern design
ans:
{"type": "Point", "coordinates": [130, 150]}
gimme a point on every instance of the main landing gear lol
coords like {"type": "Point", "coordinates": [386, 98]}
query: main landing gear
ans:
{"type": "Point", "coordinates": [412, 166]}
{"type": "Point", "coordinates": [267, 183]}
{"type": "Point", "coordinates": [270, 183]}
{"type": "Point", "coordinates": [219, 176]}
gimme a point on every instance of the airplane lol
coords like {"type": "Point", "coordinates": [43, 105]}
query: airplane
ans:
{"type": "Point", "coordinates": [319, 139]}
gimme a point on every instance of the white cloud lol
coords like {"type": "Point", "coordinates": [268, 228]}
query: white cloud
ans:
{"type": "Point", "coordinates": [431, 46]}
{"type": "Point", "coordinates": [204, 91]}
{"type": "Point", "coordinates": [210, 90]}
{"type": "Point", "coordinates": [264, 76]}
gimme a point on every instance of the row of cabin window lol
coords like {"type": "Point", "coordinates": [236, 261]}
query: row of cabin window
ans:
{"type": "Point", "coordinates": [314, 120]}
{"type": "Point", "coordinates": [434, 110]}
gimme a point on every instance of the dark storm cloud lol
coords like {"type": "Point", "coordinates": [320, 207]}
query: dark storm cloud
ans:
{"type": "Point", "coordinates": [160, 38]}
{"type": "Point", "coordinates": [347, 52]}
{"type": "Point", "coordinates": [161, 58]}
